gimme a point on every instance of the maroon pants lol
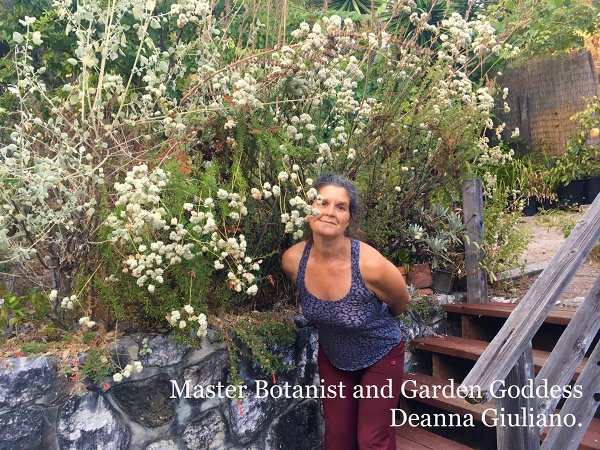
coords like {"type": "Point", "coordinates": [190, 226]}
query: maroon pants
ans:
{"type": "Point", "coordinates": [361, 420]}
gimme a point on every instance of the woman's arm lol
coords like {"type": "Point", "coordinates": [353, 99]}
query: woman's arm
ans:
{"type": "Point", "coordinates": [291, 260]}
{"type": "Point", "coordinates": [384, 279]}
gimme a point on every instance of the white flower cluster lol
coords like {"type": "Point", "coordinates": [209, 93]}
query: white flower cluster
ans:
{"type": "Point", "coordinates": [127, 371]}
{"type": "Point", "coordinates": [402, 7]}
{"type": "Point", "coordinates": [485, 99]}
{"type": "Point", "coordinates": [245, 91]}
{"type": "Point", "coordinates": [420, 20]}
{"type": "Point", "coordinates": [460, 86]}
{"type": "Point", "coordinates": [302, 210]}
{"type": "Point", "coordinates": [489, 183]}
{"type": "Point", "coordinates": [86, 322]}
{"type": "Point", "coordinates": [324, 153]}
{"type": "Point", "coordinates": [140, 194]}
{"type": "Point", "coordinates": [190, 11]}
{"type": "Point", "coordinates": [492, 155]}
{"type": "Point", "coordinates": [185, 318]}
{"type": "Point", "coordinates": [146, 266]}
{"type": "Point", "coordinates": [68, 302]}
{"type": "Point", "coordinates": [284, 57]}
{"type": "Point", "coordinates": [145, 350]}
{"type": "Point", "coordinates": [457, 37]}
{"type": "Point", "coordinates": [460, 35]}
{"type": "Point", "coordinates": [227, 250]}
{"type": "Point", "coordinates": [300, 128]}
{"type": "Point", "coordinates": [143, 216]}
{"type": "Point", "coordinates": [485, 36]}
{"type": "Point", "coordinates": [267, 191]}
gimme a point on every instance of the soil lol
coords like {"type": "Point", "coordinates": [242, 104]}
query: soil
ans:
{"type": "Point", "coordinates": [547, 240]}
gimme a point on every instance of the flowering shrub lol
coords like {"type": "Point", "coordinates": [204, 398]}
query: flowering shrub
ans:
{"type": "Point", "coordinates": [182, 163]}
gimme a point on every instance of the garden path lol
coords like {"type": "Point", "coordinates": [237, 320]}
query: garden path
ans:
{"type": "Point", "coordinates": [546, 242]}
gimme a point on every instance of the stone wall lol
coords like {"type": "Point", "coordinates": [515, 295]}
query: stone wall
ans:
{"type": "Point", "coordinates": [38, 412]}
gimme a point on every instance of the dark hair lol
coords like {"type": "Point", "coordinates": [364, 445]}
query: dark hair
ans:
{"type": "Point", "coordinates": [355, 207]}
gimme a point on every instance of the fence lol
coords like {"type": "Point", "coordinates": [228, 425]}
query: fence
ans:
{"type": "Point", "coordinates": [544, 94]}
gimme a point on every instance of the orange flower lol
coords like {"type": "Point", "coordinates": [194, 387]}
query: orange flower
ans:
{"type": "Point", "coordinates": [272, 280]}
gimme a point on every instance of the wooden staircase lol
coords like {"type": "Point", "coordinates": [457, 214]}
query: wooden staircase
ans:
{"type": "Point", "coordinates": [452, 357]}
{"type": "Point", "coordinates": [508, 343]}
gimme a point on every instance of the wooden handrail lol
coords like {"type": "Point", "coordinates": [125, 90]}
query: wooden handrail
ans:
{"type": "Point", "coordinates": [571, 348]}
{"type": "Point", "coordinates": [583, 408]}
{"type": "Point", "coordinates": [511, 341]}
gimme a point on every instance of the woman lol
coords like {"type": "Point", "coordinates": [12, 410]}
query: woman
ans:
{"type": "Point", "coordinates": [351, 293]}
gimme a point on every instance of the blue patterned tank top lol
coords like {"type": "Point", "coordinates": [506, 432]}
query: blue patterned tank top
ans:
{"type": "Point", "coordinates": [355, 331]}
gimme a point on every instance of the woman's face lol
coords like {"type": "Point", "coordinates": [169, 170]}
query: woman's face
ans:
{"type": "Point", "coordinates": [334, 217]}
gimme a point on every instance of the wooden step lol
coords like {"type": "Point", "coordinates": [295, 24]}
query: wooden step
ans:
{"type": "Point", "coordinates": [472, 349]}
{"type": "Point", "coordinates": [417, 438]}
{"type": "Point", "coordinates": [558, 315]}
{"type": "Point", "coordinates": [415, 384]}
{"type": "Point", "coordinates": [454, 404]}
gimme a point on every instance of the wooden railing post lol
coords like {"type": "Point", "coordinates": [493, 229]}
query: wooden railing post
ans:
{"type": "Point", "coordinates": [518, 437]}
{"type": "Point", "coordinates": [472, 193]}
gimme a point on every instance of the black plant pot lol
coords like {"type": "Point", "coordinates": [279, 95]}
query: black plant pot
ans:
{"type": "Point", "coordinates": [531, 207]}
{"type": "Point", "coordinates": [443, 281]}
{"type": "Point", "coordinates": [591, 189]}
{"type": "Point", "coordinates": [548, 204]}
{"type": "Point", "coordinates": [572, 192]}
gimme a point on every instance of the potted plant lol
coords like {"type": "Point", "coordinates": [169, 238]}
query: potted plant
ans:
{"type": "Point", "coordinates": [584, 148]}
{"type": "Point", "coordinates": [446, 248]}
{"type": "Point", "coordinates": [591, 189]}
{"type": "Point", "coordinates": [404, 271]}
{"type": "Point", "coordinates": [443, 280]}
{"type": "Point", "coordinates": [580, 162]}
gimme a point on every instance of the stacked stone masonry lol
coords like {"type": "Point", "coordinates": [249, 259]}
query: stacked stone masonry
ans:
{"type": "Point", "coordinates": [38, 412]}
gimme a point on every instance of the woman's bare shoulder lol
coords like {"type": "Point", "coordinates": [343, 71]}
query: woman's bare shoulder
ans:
{"type": "Point", "coordinates": [383, 278]}
{"type": "Point", "coordinates": [371, 261]}
{"type": "Point", "coordinates": [291, 259]}
{"type": "Point", "coordinates": [369, 253]}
